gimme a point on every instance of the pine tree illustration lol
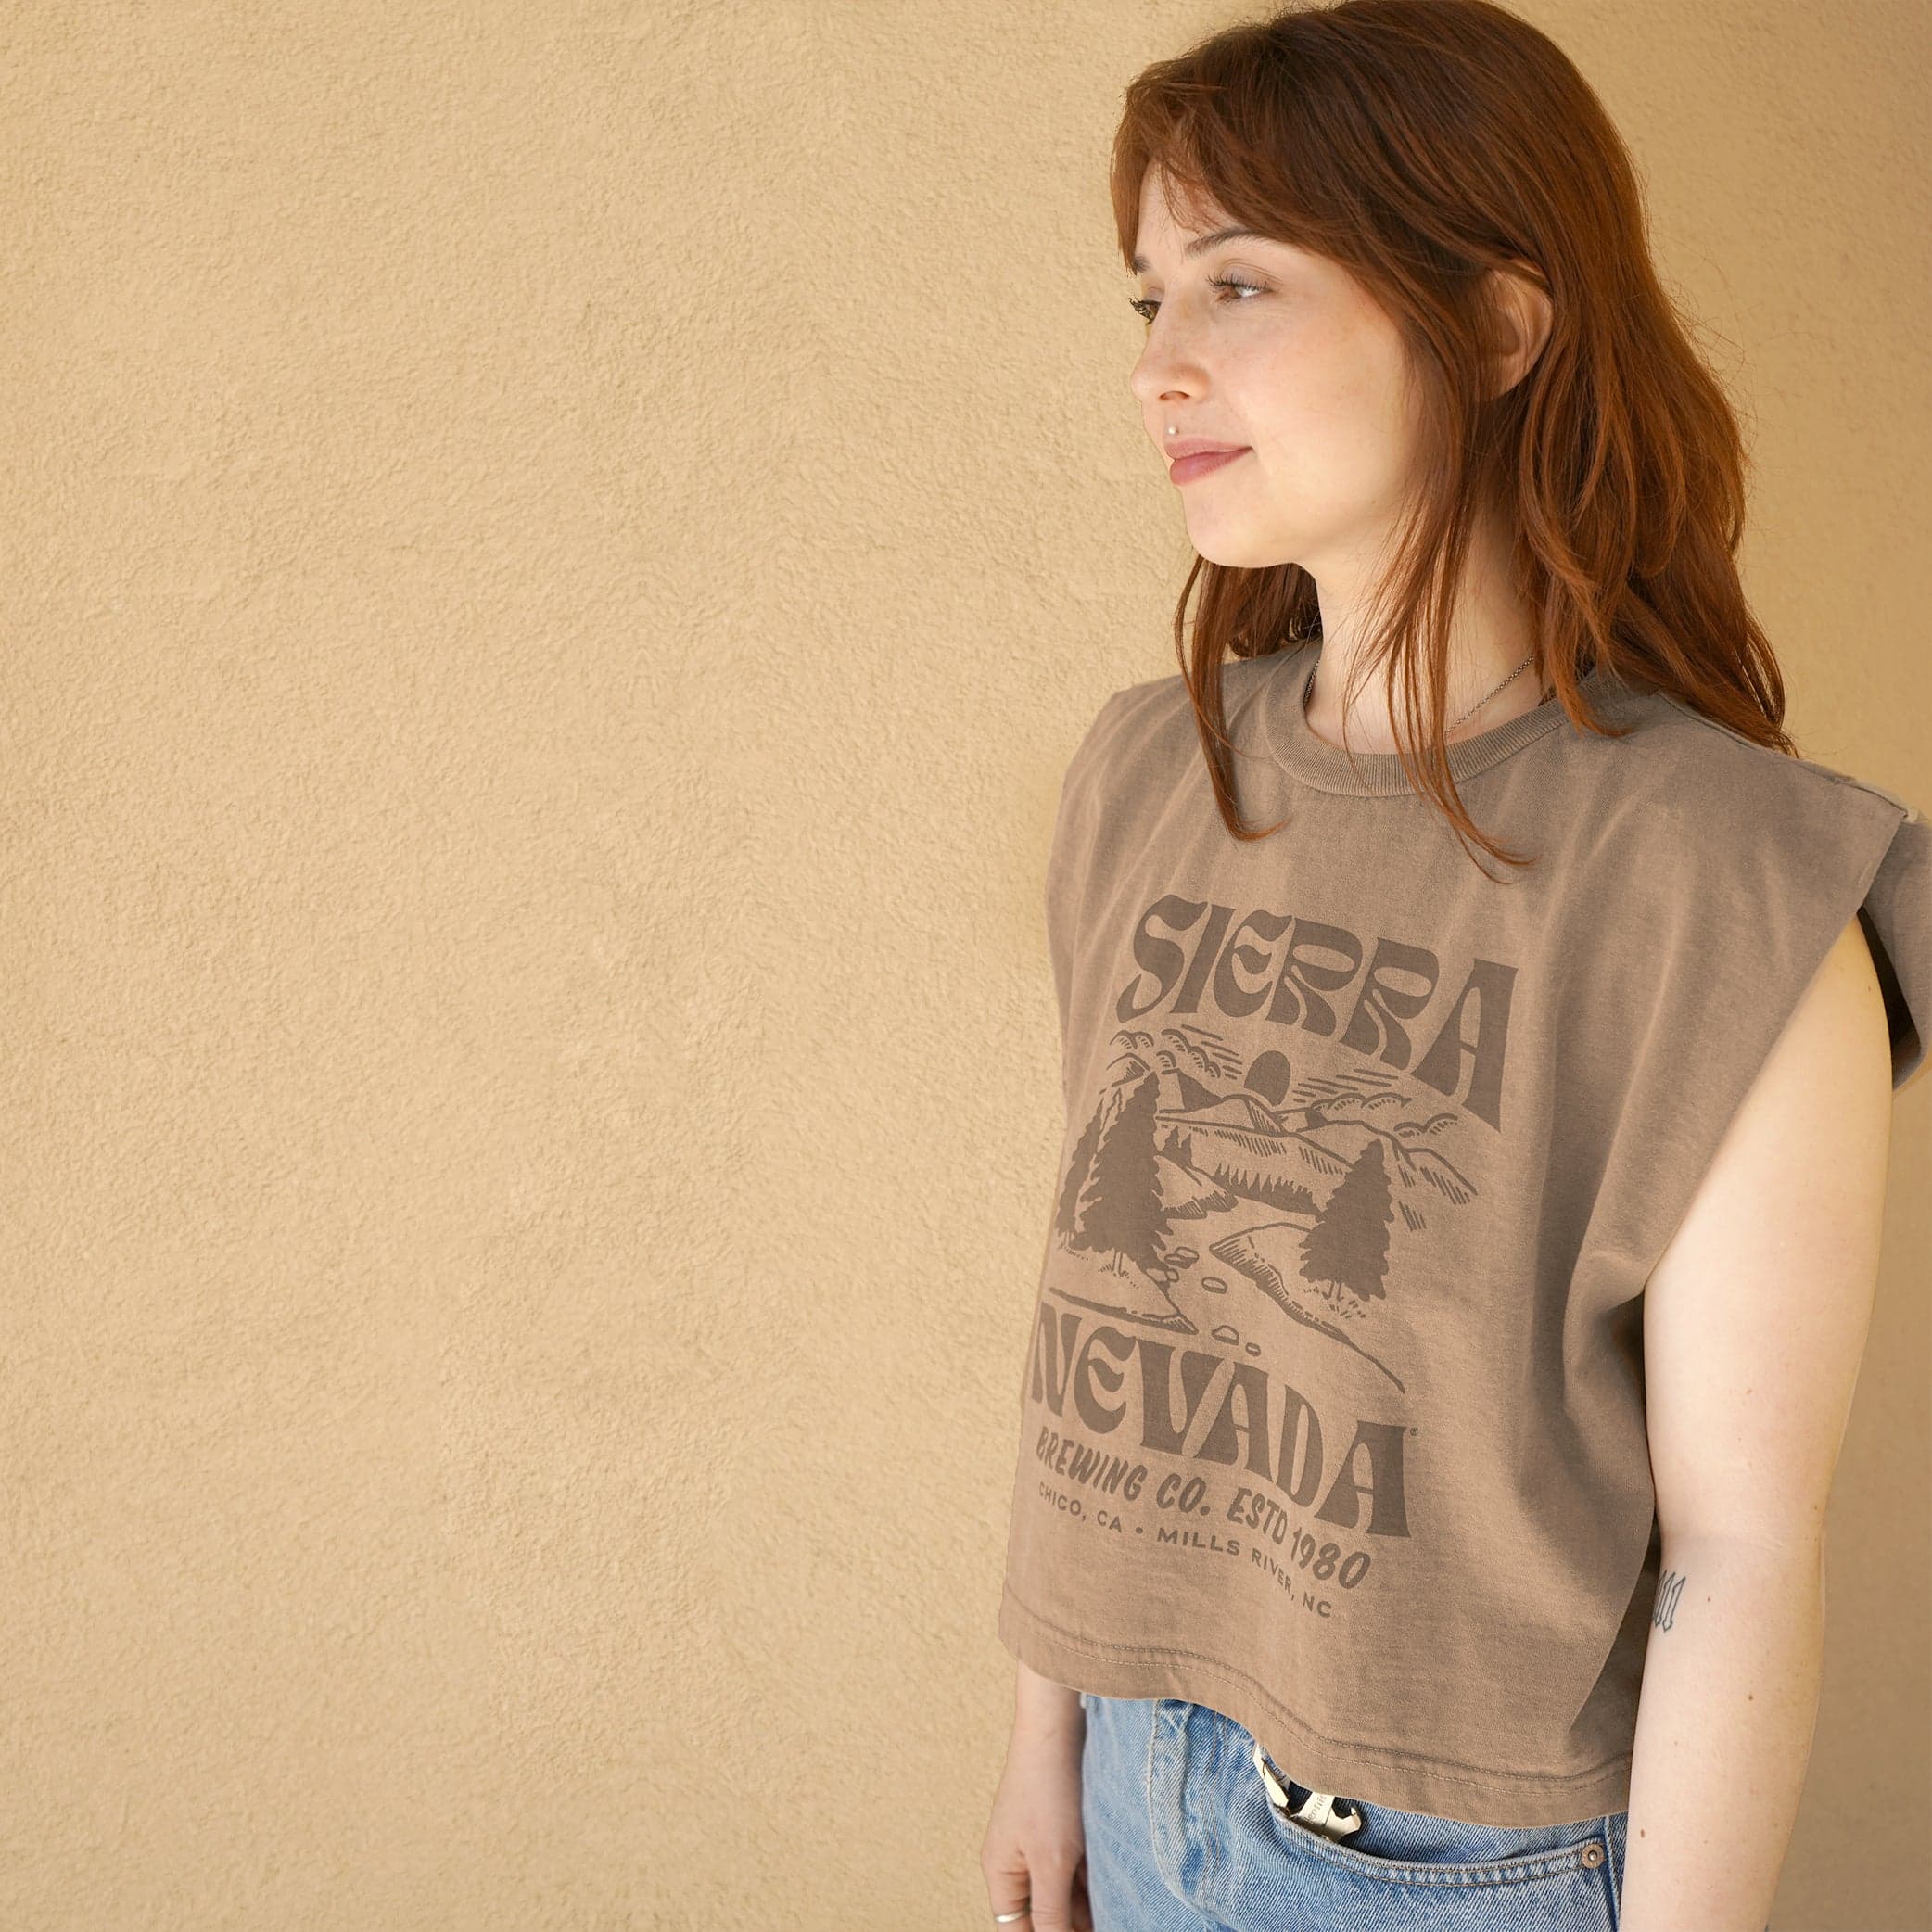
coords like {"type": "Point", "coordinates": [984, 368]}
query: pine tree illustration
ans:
{"type": "Point", "coordinates": [1066, 1216]}
{"type": "Point", "coordinates": [1349, 1246]}
{"type": "Point", "coordinates": [1120, 1210]}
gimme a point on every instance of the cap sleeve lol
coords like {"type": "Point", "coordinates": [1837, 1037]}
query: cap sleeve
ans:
{"type": "Point", "coordinates": [1767, 860]}
{"type": "Point", "coordinates": [1897, 915]}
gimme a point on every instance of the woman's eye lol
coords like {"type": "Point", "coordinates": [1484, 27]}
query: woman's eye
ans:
{"type": "Point", "coordinates": [1146, 306]}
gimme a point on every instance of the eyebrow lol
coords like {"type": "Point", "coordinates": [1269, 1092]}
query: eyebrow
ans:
{"type": "Point", "coordinates": [1142, 265]}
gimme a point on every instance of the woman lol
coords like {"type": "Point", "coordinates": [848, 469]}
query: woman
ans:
{"type": "Point", "coordinates": [1478, 1029]}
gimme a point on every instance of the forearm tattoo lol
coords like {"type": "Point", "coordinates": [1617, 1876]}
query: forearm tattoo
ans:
{"type": "Point", "coordinates": [1669, 1587]}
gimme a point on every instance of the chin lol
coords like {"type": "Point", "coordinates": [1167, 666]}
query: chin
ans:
{"type": "Point", "coordinates": [1234, 552]}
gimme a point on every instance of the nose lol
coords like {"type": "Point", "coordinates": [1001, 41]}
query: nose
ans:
{"type": "Point", "coordinates": [1158, 373]}
{"type": "Point", "coordinates": [1166, 375]}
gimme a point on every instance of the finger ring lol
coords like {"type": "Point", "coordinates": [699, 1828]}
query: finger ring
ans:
{"type": "Point", "coordinates": [1006, 1918]}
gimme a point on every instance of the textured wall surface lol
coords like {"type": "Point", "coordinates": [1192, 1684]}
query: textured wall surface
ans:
{"type": "Point", "coordinates": [557, 554]}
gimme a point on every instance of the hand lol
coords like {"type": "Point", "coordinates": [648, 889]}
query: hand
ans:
{"type": "Point", "coordinates": [1035, 1848]}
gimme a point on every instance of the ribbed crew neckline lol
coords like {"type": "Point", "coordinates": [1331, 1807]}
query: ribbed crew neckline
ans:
{"type": "Point", "coordinates": [1379, 774]}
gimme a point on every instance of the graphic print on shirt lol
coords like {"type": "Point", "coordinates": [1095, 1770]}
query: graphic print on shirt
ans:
{"type": "Point", "coordinates": [1274, 1134]}
{"type": "Point", "coordinates": [1183, 1131]}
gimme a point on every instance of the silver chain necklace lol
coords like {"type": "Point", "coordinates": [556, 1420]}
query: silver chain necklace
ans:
{"type": "Point", "coordinates": [1455, 723]}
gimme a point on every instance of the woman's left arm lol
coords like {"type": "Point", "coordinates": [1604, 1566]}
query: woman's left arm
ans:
{"type": "Point", "coordinates": [1754, 1324]}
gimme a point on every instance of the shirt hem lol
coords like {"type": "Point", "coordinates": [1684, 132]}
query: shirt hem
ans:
{"type": "Point", "coordinates": [1377, 1774]}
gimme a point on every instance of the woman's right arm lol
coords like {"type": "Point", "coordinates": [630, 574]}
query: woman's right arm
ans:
{"type": "Point", "coordinates": [1039, 1704]}
{"type": "Point", "coordinates": [1034, 1846]}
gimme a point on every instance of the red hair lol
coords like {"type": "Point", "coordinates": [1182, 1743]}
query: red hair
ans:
{"type": "Point", "coordinates": [1420, 144]}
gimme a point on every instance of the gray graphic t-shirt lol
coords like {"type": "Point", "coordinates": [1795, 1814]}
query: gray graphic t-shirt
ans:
{"type": "Point", "coordinates": [1332, 1403]}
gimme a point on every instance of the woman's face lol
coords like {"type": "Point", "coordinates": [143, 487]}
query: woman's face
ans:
{"type": "Point", "coordinates": [1262, 345]}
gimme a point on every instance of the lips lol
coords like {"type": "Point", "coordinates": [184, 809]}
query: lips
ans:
{"type": "Point", "coordinates": [1210, 457]}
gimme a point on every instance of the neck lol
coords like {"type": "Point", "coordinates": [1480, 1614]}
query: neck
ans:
{"type": "Point", "coordinates": [1492, 630]}
{"type": "Point", "coordinates": [1474, 703]}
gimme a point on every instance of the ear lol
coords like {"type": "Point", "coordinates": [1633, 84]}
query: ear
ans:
{"type": "Point", "coordinates": [1519, 305]}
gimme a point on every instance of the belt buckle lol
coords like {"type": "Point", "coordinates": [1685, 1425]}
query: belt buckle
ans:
{"type": "Point", "coordinates": [1318, 1811]}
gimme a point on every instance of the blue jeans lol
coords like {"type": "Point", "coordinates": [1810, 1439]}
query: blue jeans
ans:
{"type": "Point", "coordinates": [1183, 1836]}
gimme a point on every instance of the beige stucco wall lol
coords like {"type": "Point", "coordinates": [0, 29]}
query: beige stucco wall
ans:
{"type": "Point", "coordinates": [558, 555]}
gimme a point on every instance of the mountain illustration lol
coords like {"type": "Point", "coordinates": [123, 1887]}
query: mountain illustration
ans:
{"type": "Point", "coordinates": [1178, 1133]}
